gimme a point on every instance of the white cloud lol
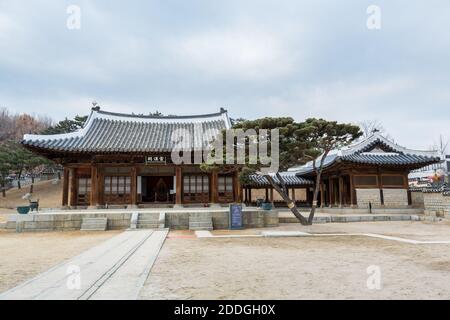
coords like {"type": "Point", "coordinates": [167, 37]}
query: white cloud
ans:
{"type": "Point", "coordinates": [240, 52]}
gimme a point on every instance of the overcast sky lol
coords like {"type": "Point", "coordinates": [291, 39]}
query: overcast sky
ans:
{"type": "Point", "coordinates": [255, 58]}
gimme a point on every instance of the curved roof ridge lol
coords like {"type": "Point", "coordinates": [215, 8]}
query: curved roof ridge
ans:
{"type": "Point", "coordinates": [96, 113]}
{"type": "Point", "coordinates": [143, 116]}
{"type": "Point", "coordinates": [361, 145]}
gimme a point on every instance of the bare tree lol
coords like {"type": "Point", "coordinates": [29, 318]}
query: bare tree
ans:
{"type": "Point", "coordinates": [368, 127]}
{"type": "Point", "coordinates": [441, 146]}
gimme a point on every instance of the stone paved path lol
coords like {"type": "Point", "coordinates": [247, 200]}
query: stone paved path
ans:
{"type": "Point", "coordinates": [115, 269]}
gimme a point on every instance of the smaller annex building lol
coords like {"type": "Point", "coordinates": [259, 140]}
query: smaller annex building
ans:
{"type": "Point", "coordinates": [371, 172]}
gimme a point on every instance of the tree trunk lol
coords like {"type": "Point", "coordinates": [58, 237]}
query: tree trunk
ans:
{"type": "Point", "coordinates": [315, 196]}
{"type": "Point", "coordinates": [31, 188]}
{"type": "Point", "coordinates": [32, 178]}
{"type": "Point", "coordinates": [3, 188]}
{"type": "Point", "coordinates": [291, 204]}
{"type": "Point", "coordinates": [19, 175]}
{"type": "Point", "coordinates": [317, 185]}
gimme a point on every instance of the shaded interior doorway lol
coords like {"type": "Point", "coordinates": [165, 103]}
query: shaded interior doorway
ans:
{"type": "Point", "coordinates": [157, 189]}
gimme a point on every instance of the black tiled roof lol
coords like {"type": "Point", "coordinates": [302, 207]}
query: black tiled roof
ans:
{"type": "Point", "coordinates": [375, 150]}
{"type": "Point", "coordinates": [389, 159]}
{"type": "Point", "coordinates": [107, 132]}
{"type": "Point", "coordinates": [289, 178]}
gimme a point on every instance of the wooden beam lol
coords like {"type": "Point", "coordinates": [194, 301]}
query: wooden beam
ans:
{"type": "Point", "coordinates": [330, 192]}
{"type": "Point", "coordinates": [133, 186]}
{"type": "Point", "coordinates": [214, 186]}
{"type": "Point", "coordinates": [100, 187]}
{"type": "Point", "coordinates": [73, 187]}
{"type": "Point", "coordinates": [179, 181]}
{"type": "Point", "coordinates": [93, 201]}
{"type": "Point", "coordinates": [341, 190]}
{"type": "Point", "coordinates": [380, 186]}
{"type": "Point", "coordinates": [65, 193]}
{"type": "Point", "coordinates": [352, 191]}
{"type": "Point", "coordinates": [322, 195]}
{"type": "Point", "coordinates": [237, 188]}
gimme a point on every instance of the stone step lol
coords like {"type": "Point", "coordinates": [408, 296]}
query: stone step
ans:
{"type": "Point", "coordinates": [149, 216]}
{"type": "Point", "coordinates": [201, 228]}
{"type": "Point", "coordinates": [94, 224]}
{"type": "Point", "coordinates": [148, 226]}
{"type": "Point", "coordinates": [148, 221]}
{"type": "Point", "coordinates": [199, 224]}
{"type": "Point", "coordinates": [201, 219]}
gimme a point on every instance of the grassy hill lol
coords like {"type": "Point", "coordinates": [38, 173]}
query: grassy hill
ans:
{"type": "Point", "coordinates": [49, 194]}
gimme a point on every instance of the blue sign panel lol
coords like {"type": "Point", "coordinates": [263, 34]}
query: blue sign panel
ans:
{"type": "Point", "coordinates": [236, 216]}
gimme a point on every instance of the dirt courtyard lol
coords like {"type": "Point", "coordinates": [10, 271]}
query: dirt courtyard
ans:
{"type": "Point", "coordinates": [320, 267]}
{"type": "Point", "coordinates": [332, 267]}
{"type": "Point", "coordinates": [25, 255]}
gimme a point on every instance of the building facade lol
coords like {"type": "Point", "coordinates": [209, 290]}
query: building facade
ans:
{"type": "Point", "coordinates": [125, 160]}
{"type": "Point", "coordinates": [372, 172]}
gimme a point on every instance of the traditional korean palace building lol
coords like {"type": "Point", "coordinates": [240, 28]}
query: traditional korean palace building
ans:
{"type": "Point", "coordinates": [125, 160]}
{"type": "Point", "coordinates": [374, 170]}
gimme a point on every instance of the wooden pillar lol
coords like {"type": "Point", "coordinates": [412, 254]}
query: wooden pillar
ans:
{"type": "Point", "coordinates": [250, 195]}
{"type": "Point", "coordinates": [133, 187]}
{"type": "Point", "coordinates": [65, 193]}
{"type": "Point", "coordinates": [100, 186]}
{"type": "Point", "coordinates": [214, 186]}
{"type": "Point", "coordinates": [73, 187]}
{"type": "Point", "coordinates": [322, 196]}
{"type": "Point", "coordinates": [293, 194]}
{"type": "Point", "coordinates": [237, 188]}
{"type": "Point", "coordinates": [352, 192]}
{"type": "Point", "coordinates": [309, 197]}
{"type": "Point", "coordinates": [380, 186]}
{"type": "Point", "coordinates": [93, 201]}
{"type": "Point", "coordinates": [330, 191]}
{"type": "Point", "coordinates": [341, 190]}
{"type": "Point", "coordinates": [267, 195]}
{"type": "Point", "coordinates": [179, 181]}
{"type": "Point", "coordinates": [271, 196]}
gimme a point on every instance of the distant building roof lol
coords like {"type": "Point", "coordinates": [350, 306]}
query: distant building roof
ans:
{"type": "Point", "coordinates": [374, 150]}
{"type": "Point", "coordinates": [106, 132]}
{"type": "Point", "coordinates": [288, 177]}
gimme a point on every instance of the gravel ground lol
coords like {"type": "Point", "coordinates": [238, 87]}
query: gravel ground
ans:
{"type": "Point", "coordinates": [305, 268]}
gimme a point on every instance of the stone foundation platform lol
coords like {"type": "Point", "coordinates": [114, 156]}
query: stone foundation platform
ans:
{"type": "Point", "coordinates": [120, 219]}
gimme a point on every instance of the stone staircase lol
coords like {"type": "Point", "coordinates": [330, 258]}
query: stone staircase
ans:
{"type": "Point", "coordinates": [94, 224]}
{"type": "Point", "coordinates": [149, 220]}
{"type": "Point", "coordinates": [200, 221]}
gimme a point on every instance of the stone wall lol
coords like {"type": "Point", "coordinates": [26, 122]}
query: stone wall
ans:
{"type": "Point", "coordinates": [395, 198]}
{"type": "Point", "coordinates": [364, 196]}
{"type": "Point", "coordinates": [437, 204]}
{"type": "Point", "coordinates": [417, 200]}
{"type": "Point", "coordinates": [251, 219]}
{"type": "Point", "coordinates": [64, 221]}
{"type": "Point", "coordinates": [300, 194]}
{"type": "Point", "coordinates": [121, 221]}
